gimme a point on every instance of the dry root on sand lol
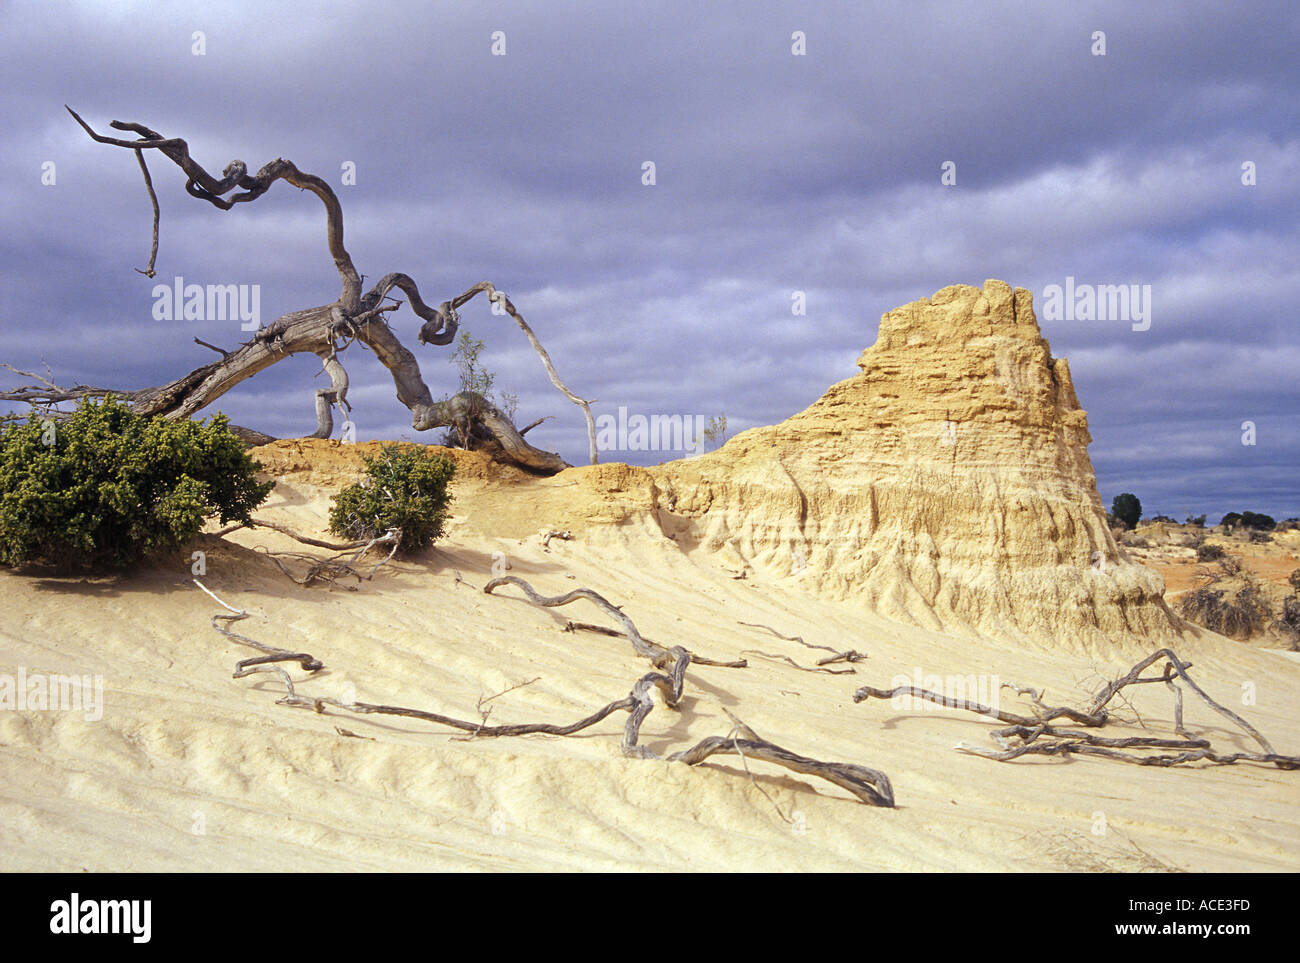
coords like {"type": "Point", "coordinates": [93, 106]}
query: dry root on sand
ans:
{"type": "Point", "coordinates": [868, 785]}
{"type": "Point", "coordinates": [1035, 734]}
{"type": "Point", "coordinates": [326, 570]}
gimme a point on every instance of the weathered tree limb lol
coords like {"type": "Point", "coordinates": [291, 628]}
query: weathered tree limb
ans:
{"type": "Point", "coordinates": [329, 569]}
{"type": "Point", "coordinates": [204, 186]}
{"type": "Point", "coordinates": [286, 530]}
{"type": "Point", "coordinates": [657, 654]}
{"type": "Point", "coordinates": [46, 394]}
{"type": "Point", "coordinates": [353, 316]}
{"type": "Point", "coordinates": [563, 536]}
{"type": "Point", "coordinates": [572, 626]}
{"type": "Point", "coordinates": [1036, 736]}
{"type": "Point", "coordinates": [308, 662]}
{"type": "Point", "coordinates": [869, 785]}
{"type": "Point", "coordinates": [153, 199]}
{"type": "Point", "coordinates": [221, 351]}
{"type": "Point", "coordinates": [321, 569]}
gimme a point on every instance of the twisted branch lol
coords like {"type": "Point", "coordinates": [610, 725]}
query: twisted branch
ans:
{"type": "Point", "coordinates": [1035, 735]}
{"type": "Point", "coordinates": [204, 186]}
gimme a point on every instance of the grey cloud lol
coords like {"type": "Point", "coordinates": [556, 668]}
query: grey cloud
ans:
{"type": "Point", "coordinates": [775, 173]}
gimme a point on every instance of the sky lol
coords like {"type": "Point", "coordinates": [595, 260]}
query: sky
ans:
{"type": "Point", "coordinates": [863, 154]}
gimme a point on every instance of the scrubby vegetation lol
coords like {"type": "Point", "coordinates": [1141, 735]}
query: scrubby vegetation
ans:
{"type": "Point", "coordinates": [1206, 552]}
{"type": "Point", "coordinates": [105, 488]}
{"type": "Point", "coordinates": [480, 383]}
{"type": "Point", "coordinates": [1238, 615]}
{"type": "Point", "coordinates": [406, 488]}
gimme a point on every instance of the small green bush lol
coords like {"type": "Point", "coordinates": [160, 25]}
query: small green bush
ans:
{"type": "Point", "coordinates": [406, 489]}
{"type": "Point", "coordinates": [106, 488]}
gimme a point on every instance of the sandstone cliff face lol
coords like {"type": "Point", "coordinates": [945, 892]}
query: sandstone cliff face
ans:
{"type": "Point", "coordinates": [947, 484]}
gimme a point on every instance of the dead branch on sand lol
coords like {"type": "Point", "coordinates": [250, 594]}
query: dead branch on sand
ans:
{"type": "Point", "coordinates": [850, 655]}
{"type": "Point", "coordinates": [1034, 734]}
{"type": "Point", "coordinates": [802, 668]}
{"type": "Point", "coordinates": [572, 626]}
{"type": "Point", "coordinates": [868, 785]}
{"type": "Point", "coordinates": [325, 570]}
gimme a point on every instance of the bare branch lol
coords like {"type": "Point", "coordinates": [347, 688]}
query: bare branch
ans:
{"type": "Point", "coordinates": [351, 318]}
{"type": "Point", "coordinates": [499, 297]}
{"type": "Point", "coordinates": [153, 199]}
{"type": "Point", "coordinates": [1036, 736]}
{"type": "Point", "coordinates": [204, 186]}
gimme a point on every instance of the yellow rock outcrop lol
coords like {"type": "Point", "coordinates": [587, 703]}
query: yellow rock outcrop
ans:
{"type": "Point", "coordinates": [947, 484]}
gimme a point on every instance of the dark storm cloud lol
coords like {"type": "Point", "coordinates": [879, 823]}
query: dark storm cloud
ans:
{"type": "Point", "coordinates": [775, 174]}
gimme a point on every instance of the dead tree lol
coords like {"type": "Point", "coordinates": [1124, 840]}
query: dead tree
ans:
{"type": "Point", "coordinates": [326, 331]}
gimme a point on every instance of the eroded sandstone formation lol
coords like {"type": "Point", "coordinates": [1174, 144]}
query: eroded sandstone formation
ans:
{"type": "Point", "coordinates": [947, 484]}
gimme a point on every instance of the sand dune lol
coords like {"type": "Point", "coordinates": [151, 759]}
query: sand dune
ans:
{"type": "Point", "coordinates": [192, 770]}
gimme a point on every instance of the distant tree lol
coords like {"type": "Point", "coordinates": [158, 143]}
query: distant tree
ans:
{"type": "Point", "coordinates": [1196, 521]}
{"type": "Point", "coordinates": [476, 384]}
{"type": "Point", "coordinates": [1264, 523]}
{"type": "Point", "coordinates": [714, 431]}
{"type": "Point", "coordinates": [1127, 509]}
{"type": "Point", "coordinates": [1230, 520]}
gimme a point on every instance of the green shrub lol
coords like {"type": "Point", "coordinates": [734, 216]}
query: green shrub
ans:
{"type": "Point", "coordinates": [106, 488]}
{"type": "Point", "coordinates": [406, 489]}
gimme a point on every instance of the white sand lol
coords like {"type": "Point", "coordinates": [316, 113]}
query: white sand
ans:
{"type": "Point", "coordinates": [190, 769]}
